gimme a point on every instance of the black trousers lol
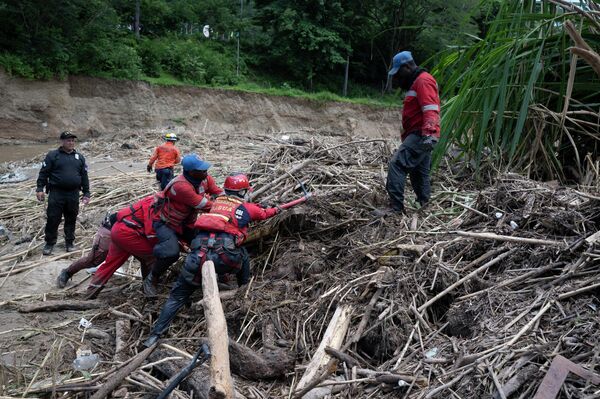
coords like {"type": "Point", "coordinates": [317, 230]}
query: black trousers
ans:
{"type": "Point", "coordinates": [164, 176]}
{"type": "Point", "coordinates": [413, 160]}
{"type": "Point", "coordinates": [61, 203]}
{"type": "Point", "coordinates": [184, 288]}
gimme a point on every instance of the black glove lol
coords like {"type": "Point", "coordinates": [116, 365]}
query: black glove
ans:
{"type": "Point", "coordinates": [428, 142]}
{"type": "Point", "coordinates": [149, 168]}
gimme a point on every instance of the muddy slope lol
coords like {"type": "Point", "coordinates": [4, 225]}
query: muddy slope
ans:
{"type": "Point", "coordinates": [35, 110]}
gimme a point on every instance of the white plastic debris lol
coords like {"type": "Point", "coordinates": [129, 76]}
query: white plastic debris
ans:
{"type": "Point", "coordinates": [85, 323]}
{"type": "Point", "coordinates": [285, 137]}
{"type": "Point", "coordinates": [499, 215]}
{"type": "Point", "coordinates": [513, 225]}
{"type": "Point", "coordinates": [431, 353]}
{"type": "Point", "coordinates": [85, 360]}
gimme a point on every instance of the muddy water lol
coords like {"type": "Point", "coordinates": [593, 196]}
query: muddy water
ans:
{"type": "Point", "coordinates": [23, 152]}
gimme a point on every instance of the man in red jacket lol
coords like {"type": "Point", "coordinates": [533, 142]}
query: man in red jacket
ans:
{"type": "Point", "coordinates": [176, 209]}
{"type": "Point", "coordinates": [421, 131]}
{"type": "Point", "coordinates": [221, 233]}
{"type": "Point", "coordinates": [131, 235]}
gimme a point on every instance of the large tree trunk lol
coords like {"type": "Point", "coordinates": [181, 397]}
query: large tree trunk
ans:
{"type": "Point", "coordinates": [216, 326]}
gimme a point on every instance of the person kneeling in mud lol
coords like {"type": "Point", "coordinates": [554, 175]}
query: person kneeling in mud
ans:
{"type": "Point", "coordinates": [131, 235]}
{"type": "Point", "coordinates": [95, 257]}
{"type": "Point", "coordinates": [220, 235]}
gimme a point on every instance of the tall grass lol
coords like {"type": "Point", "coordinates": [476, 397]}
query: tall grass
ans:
{"type": "Point", "coordinates": [505, 95]}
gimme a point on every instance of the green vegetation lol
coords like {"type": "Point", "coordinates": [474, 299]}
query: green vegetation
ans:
{"type": "Point", "coordinates": [304, 45]}
{"type": "Point", "coordinates": [506, 94]}
{"type": "Point", "coordinates": [504, 67]}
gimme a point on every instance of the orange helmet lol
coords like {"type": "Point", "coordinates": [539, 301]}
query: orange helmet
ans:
{"type": "Point", "coordinates": [237, 182]}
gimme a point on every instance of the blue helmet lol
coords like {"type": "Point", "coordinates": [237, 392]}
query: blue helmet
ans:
{"type": "Point", "coordinates": [192, 162]}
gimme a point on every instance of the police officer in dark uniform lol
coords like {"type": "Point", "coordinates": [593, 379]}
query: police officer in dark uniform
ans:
{"type": "Point", "coordinates": [63, 175]}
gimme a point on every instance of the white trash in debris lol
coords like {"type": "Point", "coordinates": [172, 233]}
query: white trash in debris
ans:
{"type": "Point", "coordinates": [85, 323]}
{"type": "Point", "coordinates": [86, 360]}
{"type": "Point", "coordinates": [431, 353]}
{"type": "Point", "coordinates": [499, 215]}
{"type": "Point", "coordinates": [285, 137]}
{"type": "Point", "coordinates": [513, 225]}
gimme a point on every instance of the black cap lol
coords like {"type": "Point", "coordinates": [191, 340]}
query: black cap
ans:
{"type": "Point", "coordinates": [67, 135]}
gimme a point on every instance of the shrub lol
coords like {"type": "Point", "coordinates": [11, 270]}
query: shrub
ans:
{"type": "Point", "coordinates": [15, 66]}
{"type": "Point", "coordinates": [107, 57]}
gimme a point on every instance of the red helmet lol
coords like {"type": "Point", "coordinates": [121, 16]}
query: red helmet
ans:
{"type": "Point", "coordinates": [237, 182]}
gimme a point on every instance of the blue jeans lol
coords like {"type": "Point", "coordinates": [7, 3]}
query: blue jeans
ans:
{"type": "Point", "coordinates": [415, 161]}
{"type": "Point", "coordinates": [180, 295]}
{"type": "Point", "coordinates": [166, 250]}
{"type": "Point", "coordinates": [164, 176]}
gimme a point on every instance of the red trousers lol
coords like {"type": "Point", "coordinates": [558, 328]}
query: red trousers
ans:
{"type": "Point", "coordinates": [125, 242]}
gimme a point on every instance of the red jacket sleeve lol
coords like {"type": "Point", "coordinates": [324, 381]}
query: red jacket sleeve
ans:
{"type": "Point", "coordinates": [210, 187]}
{"type": "Point", "coordinates": [186, 195]}
{"type": "Point", "coordinates": [258, 213]}
{"type": "Point", "coordinates": [429, 100]}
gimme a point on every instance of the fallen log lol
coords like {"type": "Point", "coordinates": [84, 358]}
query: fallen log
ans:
{"type": "Point", "coordinates": [517, 381]}
{"type": "Point", "coordinates": [113, 382]}
{"type": "Point", "coordinates": [121, 333]}
{"type": "Point", "coordinates": [333, 337]}
{"type": "Point", "coordinates": [220, 374]}
{"type": "Point", "coordinates": [264, 365]}
{"type": "Point", "coordinates": [198, 382]}
{"type": "Point", "coordinates": [58, 305]}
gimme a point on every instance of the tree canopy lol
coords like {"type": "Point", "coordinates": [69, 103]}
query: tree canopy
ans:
{"type": "Point", "coordinates": [305, 44]}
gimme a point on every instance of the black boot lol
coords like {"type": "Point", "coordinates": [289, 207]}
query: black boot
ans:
{"type": "Point", "coordinates": [151, 341]}
{"type": "Point", "coordinates": [92, 292]}
{"type": "Point", "coordinates": [63, 278]}
{"type": "Point", "coordinates": [47, 249]}
{"type": "Point", "coordinates": [149, 286]}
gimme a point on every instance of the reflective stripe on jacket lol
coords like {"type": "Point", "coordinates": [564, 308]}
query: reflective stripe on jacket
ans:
{"type": "Point", "coordinates": [421, 110]}
{"type": "Point", "coordinates": [180, 202]}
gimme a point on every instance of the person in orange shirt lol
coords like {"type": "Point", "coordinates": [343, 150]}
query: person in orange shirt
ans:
{"type": "Point", "coordinates": [164, 158]}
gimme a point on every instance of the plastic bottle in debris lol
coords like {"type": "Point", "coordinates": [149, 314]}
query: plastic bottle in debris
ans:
{"type": "Point", "coordinates": [86, 362]}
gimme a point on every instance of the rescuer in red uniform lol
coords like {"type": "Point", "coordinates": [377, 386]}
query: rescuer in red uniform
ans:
{"type": "Point", "coordinates": [131, 235]}
{"type": "Point", "coordinates": [421, 131]}
{"type": "Point", "coordinates": [221, 233]}
{"type": "Point", "coordinates": [176, 209]}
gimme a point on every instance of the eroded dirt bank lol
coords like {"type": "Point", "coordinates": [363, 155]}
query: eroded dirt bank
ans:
{"type": "Point", "coordinates": [35, 111]}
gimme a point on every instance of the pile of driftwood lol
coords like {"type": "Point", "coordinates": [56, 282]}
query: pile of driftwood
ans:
{"type": "Point", "coordinates": [477, 295]}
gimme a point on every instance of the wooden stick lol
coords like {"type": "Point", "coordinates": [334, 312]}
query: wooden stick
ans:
{"type": "Point", "coordinates": [496, 382]}
{"type": "Point", "coordinates": [121, 333]}
{"type": "Point", "coordinates": [285, 175]}
{"type": "Point", "coordinates": [520, 240]}
{"type": "Point", "coordinates": [467, 277]}
{"type": "Point", "coordinates": [220, 373]}
{"type": "Point", "coordinates": [57, 305]}
{"type": "Point", "coordinates": [113, 382]}
{"type": "Point", "coordinates": [333, 337]}
{"type": "Point", "coordinates": [365, 319]}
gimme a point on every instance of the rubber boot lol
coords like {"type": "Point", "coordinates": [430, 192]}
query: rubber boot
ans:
{"type": "Point", "coordinates": [151, 341]}
{"type": "Point", "coordinates": [149, 286]}
{"type": "Point", "coordinates": [93, 291]}
{"type": "Point", "coordinates": [63, 278]}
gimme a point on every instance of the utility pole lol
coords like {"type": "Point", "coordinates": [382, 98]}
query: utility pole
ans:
{"type": "Point", "coordinates": [237, 69]}
{"type": "Point", "coordinates": [345, 90]}
{"type": "Point", "coordinates": [136, 24]}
